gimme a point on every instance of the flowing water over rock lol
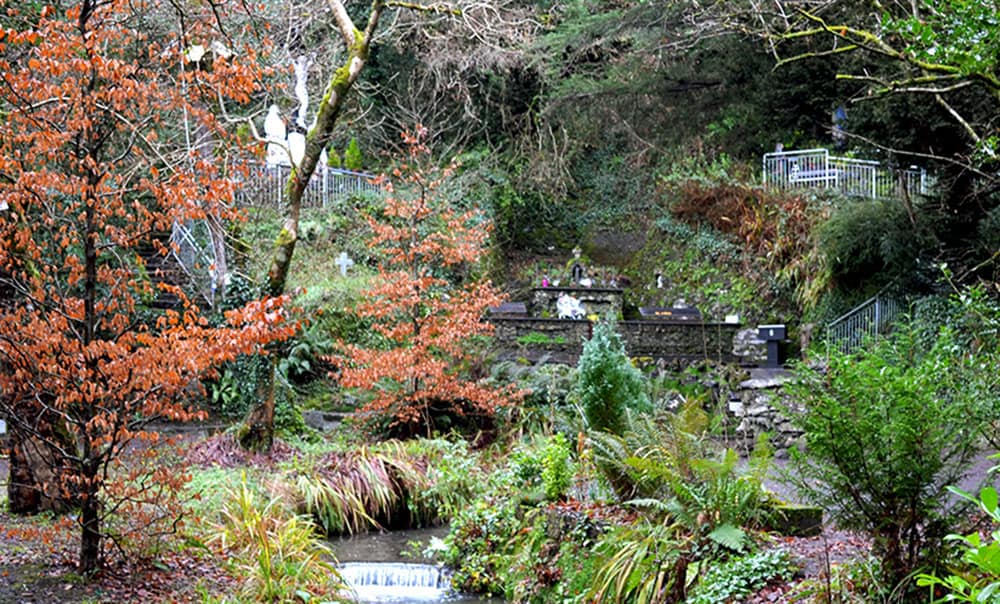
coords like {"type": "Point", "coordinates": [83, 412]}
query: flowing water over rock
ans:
{"type": "Point", "coordinates": [396, 582]}
{"type": "Point", "coordinates": [373, 565]}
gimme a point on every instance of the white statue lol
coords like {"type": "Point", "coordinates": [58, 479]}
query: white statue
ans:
{"type": "Point", "coordinates": [297, 146]}
{"type": "Point", "coordinates": [277, 138]}
{"type": "Point", "coordinates": [284, 147]}
{"type": "Point", "coordinates": [569, 307]}
{"type": "Point", "coordinates": [301, 67]}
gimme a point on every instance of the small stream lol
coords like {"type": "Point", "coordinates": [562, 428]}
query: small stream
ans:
{"type": "Point", "coordinates": [374, 565]}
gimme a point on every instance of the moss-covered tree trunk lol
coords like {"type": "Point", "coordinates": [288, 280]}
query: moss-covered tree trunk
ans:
{"type": "Point", "coordinates": [258, 433]}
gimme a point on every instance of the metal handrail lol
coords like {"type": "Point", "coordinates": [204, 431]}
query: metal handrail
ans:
{"type": "Point", "coordinates": [866, 321]}
{"type": "Point", "coordinates": [264, 185]}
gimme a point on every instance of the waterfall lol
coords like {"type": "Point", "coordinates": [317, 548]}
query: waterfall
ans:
{"type": "Point", "coordinates": [396, 582]}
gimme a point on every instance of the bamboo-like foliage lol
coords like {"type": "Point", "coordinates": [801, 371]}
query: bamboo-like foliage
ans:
{"type": "Point", "coordinates": [277, 553]}
{"type": "Point", "coordinates": [644, 564]}
{"type": "Point", "coordinates": [352, 492]}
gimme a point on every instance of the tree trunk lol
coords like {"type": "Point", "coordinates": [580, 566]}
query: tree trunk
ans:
{"type": "Point", "coordinates": [257, 432]}
{"type": "Point", "coordinates": [90, 522]}
{"type": "Point", "coordinates": [259, 428]}
{"type": "Point", "coordinates": [38, 472]}
{"type": "Point", "coordinates": [24, 491]}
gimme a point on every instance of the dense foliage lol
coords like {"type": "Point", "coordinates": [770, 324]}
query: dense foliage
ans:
{"type": "Point", "coordinates": [95, 172]}
{"type": "Point", "coordinates": [428, 307]}
{"type": "Point", "coordinates": [887, 430]}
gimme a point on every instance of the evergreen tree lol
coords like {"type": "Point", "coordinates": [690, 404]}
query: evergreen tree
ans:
{"type": "Point", "coordinates": [608, 382]}
{"type": "Point", "coordinates": [352, 156]}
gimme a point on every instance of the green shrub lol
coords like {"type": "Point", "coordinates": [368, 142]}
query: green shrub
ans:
{"type": "Point", "coordinates": [454, 477]}
{"type": "Point", "coordinates": [333, 158]}
{"type": "Point", "coordinates": [539, 339]}
{"type": "Point", "coordinates": [870, 240]}
{"type": "Point", "coordinates": [673, 469]}
{"type": "Point", "coordinates": [352, 156]}
{"type": "Point", "coordinates": [735, 579]}
{"type": "Point", "coordinates": [886, 430]}
{"type": "Point", "coordinates": [557, 469]}
{"type": "Point", "coordinates": [544, 407]}
{"type": "Point", "coordinates": [236, 391]}
{"type": "Point", "coordinates": [607, 382]}
{"type": "Point", "coordinates": [479, 544]}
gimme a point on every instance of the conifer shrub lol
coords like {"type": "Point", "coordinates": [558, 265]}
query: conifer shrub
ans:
{"type": "Point", "coordinates": [607, 383]}
{"type": "Point", "coordinates": [352, 156]}
{"type": "Point", "coordinates": [333, 158]}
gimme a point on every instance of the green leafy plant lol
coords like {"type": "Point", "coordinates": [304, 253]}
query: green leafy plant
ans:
{"type": "Point", "coordinates": [557, 468]}
{"type": "Point", "coordinates": [886, 430]}
{"type": "Point", "coordinates": [698, 507]}
{"type": "Point", "coordinates": [478, 545]}
{"type": "Point", "coordinates": [539, 339]}
{"type": "Point", "coordinates": [734, 580]}
{"type": "Point", "coordinates": [978, 580]}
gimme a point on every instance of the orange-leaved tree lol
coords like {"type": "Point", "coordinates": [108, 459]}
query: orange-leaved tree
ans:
{"type": "Point", "coordinates": [96, 167]}
{"type": "Point", "coordinates": [427, 307]}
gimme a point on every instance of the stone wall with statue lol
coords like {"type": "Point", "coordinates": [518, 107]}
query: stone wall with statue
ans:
{"type": "Point", "coordinates": [556, 322]}
{"type": "Point", "coordinates": [597, 301]}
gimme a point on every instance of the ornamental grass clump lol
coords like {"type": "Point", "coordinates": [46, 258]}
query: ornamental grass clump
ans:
{"type": "Point", "coordinates": [276, 552]}
{"type": "Point", "coordinates": [390, 484]}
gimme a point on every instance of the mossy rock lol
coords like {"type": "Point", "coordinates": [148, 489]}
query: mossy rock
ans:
{"type": "Point", "coordinates": [797, 520]}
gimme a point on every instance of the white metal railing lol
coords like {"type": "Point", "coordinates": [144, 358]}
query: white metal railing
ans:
{"type": "Point", "coordinates": [867, 321]}
{"type": "Point", "coordinates": [816, 168]}
{"type": "Point", "coordinates": [192, 247]}
{"type": "Point", "coordinates": [264, 186]}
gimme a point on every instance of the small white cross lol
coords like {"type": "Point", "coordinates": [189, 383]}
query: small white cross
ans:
{"type": "Point", "coordinates": [344, 263]}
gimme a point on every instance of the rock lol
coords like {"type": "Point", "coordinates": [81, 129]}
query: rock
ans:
{"type": "Point", "coordinates": [748, 347]}
{"type": "Point", "coordinates": [797, 520]}
{"type": "Point", "coordinates": [322, 420]}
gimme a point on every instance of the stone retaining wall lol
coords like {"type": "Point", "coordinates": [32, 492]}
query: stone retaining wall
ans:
{"type": "Point", "coordinates": [688, 340]}
{"type": "Point", "coordinates": [757, 406]}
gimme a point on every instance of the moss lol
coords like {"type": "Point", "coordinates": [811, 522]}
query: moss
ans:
{"type": "Point", "coordinates": [358, 48]}
{"type": "Point", "coordinates": [797, 520]}
{"type": "Point", "coordinates": [285, 237]}
{"type": "Point", "coordinates": [340, 78]}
